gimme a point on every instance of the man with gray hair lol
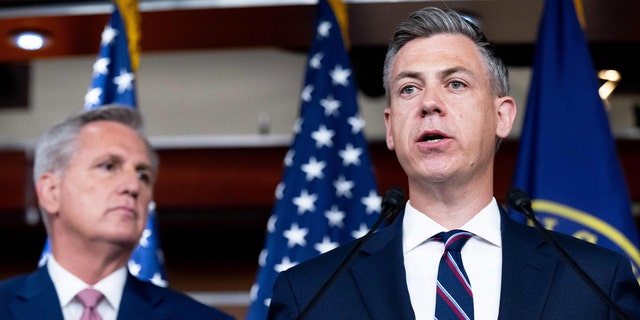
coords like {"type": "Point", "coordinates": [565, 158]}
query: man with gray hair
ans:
{"type": "Point", "coordinates": [94, 175]}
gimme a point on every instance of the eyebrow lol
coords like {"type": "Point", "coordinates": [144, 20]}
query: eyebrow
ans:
{"type": "Point", "coordinates": [441, 74]}
{"type": "Point", "coordinates": [406, 74]}
{"type": "Point", "coordinates": [458, 69]}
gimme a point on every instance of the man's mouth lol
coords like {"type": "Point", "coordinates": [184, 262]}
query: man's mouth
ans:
{"type": "Point", "coordinates": [431, 137]}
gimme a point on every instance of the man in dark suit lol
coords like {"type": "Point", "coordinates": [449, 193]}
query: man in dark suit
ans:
{"type": "Point", "coordinates": [448, 111]}
{"type": "Point", "coordinates": [94, 175]}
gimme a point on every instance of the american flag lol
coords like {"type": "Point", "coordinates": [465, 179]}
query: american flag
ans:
{"type": "Point", "coordinates": [328, 193]}
{"type": "Point", "coordinates": [113, 82]}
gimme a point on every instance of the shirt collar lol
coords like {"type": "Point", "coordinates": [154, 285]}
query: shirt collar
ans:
{"type": "Point", "coordinates": [68, 285]}
{"type": "Point", "coordinates": [418, 227]}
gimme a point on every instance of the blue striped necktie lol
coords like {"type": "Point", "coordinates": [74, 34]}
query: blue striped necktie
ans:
{"type": "Point", "coordinates": [454, 299]}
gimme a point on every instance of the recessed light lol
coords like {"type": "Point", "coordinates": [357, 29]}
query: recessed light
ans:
{"type": "Point", "coordinates": [30, 40]}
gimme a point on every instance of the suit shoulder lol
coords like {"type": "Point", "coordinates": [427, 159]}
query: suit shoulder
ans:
{"type": "Point", "coordinates": [11, 285]}
{"type": "Point", "coordinates": [181, 305]}
{"type": "Point", "coordinates": [325, 261]}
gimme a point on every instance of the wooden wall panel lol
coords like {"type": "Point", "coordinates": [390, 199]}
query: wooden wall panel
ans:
{"type": "Point", "coordinates": [245, 179]}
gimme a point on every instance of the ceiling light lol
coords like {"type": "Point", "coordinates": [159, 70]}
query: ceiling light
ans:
{"type": "Point", "coordinates": [30, 40]}
{"type": "Point", "coordinates": [611, 79]}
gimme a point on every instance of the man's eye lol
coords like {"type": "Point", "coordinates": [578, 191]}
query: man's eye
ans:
{"type": "Point", "coordinates": [456, 85]}
{"type": "Point", "coordinates": [107, 166]}
{"type": "Point", "coordinates": [408, 90]}
{"type": "Point", "coordinates": [144, 176]}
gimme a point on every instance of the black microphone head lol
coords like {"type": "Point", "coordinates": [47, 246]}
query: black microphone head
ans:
{"type": "Point", "coordinates": [518, 199]}
{"type": "Point", "coordinates": [392, 202]}
{"type": "Point", "coordinates": [393, 197]}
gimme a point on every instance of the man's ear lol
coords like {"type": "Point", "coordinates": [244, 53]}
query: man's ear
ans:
{"type": "Point", "coordinates": [48, 191]}
{"type": "Point", "coordinates": [387, 123]}
{"type": "Point", "coordinates": [506, 116]}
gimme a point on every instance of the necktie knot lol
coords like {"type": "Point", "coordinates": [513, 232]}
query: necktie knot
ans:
{"type": "Point", "coordinates": [90, 298]}
{"type": "Point", "coordinates": [454, 239]}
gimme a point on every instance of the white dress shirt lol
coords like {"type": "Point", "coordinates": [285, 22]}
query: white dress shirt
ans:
{"type": "Point", "coordinates": [68, 285]}
{"type": "Point", "coordinates": [481, 256]}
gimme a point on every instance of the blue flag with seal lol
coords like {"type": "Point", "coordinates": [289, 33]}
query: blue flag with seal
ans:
{"type": "Point", "coordinates": [328, 193]}
{"type": "Point", "coordinates": [567, 160]}
{"type": "Point", "coordinates": [113, 82]}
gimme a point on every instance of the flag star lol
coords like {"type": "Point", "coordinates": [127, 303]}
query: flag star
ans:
{"type": "Point", "coordinates": [280, 190]}
{"type": "Point", "coordinates": [372, 202]}
{"type": "Point", "coordinates": [288, 158]}
{"type": "Point", "coordinates": [305, 202]}
{"type": "Point", "coordinates": [297, 125]}
{"type": "Point", "coordinates": [343, 187]}
{"type": "Point", "coordinates": [144, 240]}
{"type": "Point", "coordinates": [101, 66]}
{"type": "Point", "coordinates": [43, 259]}
{"type": "Point", "coordinates": [316, 61]}
{"type": "Point", "coordinates": [124, 81]}
{"type": "Point", "coordinates": [325, 245]}
{"type": "Point", "coordinates": [350, 155]}
{"type": "Point", "coordinates": [253, 292]}
{"type": "Point", "coordinates": [134, 268]}
{"type": "Point", "coordinates": [357, 124]}
{"type": "Point", "coordinates": [262, 258]}
{"type": "Point", "coordinates": [296, 235]}
{"type": "Point", "coordinates": [360, 232]}
{"type": "Point", "coordinates": [92, 97]}
{"type": "Point", "coordinates": [284, 265]}
{"type": "Point", "coordinates": [313, 168]}
{"type": "Point", "coordinates": [323, 137]}
{"type": "Point", "coordinates": [330, 106]}
{"type": "Point", "coordinates": [339, 75]}
{"type": "Point", "coordinates": [108, 34]}
{"type": "Point", "coordinates": [306, 93]}
{"type": "Point", "coordinates": [158, 281]}
{"type": "Point", "coordinates": [335, 217]}
{"type": "Point", "coordinates": [323, 28]}
{"type": "Point", "coordinates": [271, 223]}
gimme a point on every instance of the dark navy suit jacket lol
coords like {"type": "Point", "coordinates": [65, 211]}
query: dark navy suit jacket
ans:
{"type": "Point", "coordinates": [536, 282]}
{"type": "Point", "coordinates": [33, 296]}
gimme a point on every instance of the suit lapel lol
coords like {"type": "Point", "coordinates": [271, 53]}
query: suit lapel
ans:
{"type": "Point", "coordinates": [140, 299]}
{"type": "Point", "coordinates": [380, 275]}
{"type": "Point", "coordinates": [527, 272]}
{"type": "Point", "coordinates": [37, 299]}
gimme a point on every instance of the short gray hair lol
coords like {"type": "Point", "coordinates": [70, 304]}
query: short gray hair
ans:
{"type": "Point", "coordinates": [56, 147]}
{"type": "Point", "coordinates": [431, 21]}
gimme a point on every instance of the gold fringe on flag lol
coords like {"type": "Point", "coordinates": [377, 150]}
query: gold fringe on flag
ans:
{"type": "Point", "coordinates": [340, 11]}
{"type": "Point", "coordinates": [580, 13]}
{"type": "Point", "coordinates": [131, 17]}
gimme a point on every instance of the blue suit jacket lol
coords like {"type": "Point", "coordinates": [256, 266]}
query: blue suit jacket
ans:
{"type": "Point", "coordinates": [33, 296]}
{"type": "Point", "coordinates": [536, 283]}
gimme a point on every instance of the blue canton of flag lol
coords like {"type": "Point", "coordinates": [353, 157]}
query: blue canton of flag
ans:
{"type": "Point", "coordinates": [113, 83]}
{"type": "Point", "coordinates": [567, 160]}
{"type": "Point", "coordinates": [328, 194]}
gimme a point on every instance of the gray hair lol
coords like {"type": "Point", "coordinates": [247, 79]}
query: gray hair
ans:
{"type": "Point", "coordinates": [56, 147]}
{"type": "Point", "coordinates": [431, 21]}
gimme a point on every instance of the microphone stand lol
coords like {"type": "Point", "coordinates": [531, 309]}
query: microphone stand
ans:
{"type": "Point", "coordinates": [391, 203]}
{"type": "Point", "coordinates": [519, 200]}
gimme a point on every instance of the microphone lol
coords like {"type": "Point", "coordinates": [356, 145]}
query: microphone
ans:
{"type": "Point", "coordinates": [520, 201]}
{"type": "Point", "coordinates": [392, 202]}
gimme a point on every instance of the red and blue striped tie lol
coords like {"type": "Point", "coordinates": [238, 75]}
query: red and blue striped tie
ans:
{"type": "Point", "coordinates": [454, 298]}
